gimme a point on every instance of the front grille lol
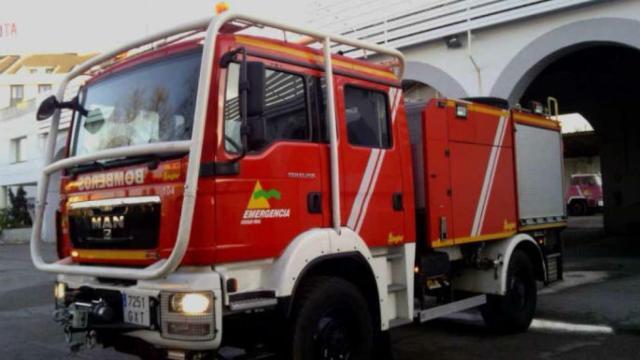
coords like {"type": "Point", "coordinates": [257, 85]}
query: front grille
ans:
{"type": "Point", "coordinates": [115, 224]}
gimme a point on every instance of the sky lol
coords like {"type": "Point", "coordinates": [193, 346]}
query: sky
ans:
{"type": "Point", "coordinates": [95, 26]}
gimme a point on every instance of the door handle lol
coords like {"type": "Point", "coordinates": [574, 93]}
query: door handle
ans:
{"type": "Point", "coordinates": [397, 202]}
{"type": "Point", "coordinates": [314, 202]}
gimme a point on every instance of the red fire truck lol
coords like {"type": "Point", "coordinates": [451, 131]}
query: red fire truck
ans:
{"type": "Point", "coordinates": [222, 190]}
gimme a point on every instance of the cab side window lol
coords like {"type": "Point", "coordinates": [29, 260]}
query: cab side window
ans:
{"type": "Point", "coordinates": [286, 115]}
{"type": "Point", "coordinates": [367, 117]}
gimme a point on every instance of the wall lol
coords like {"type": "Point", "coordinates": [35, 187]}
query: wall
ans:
{"type": "Point", "coordinates": [493, 49]}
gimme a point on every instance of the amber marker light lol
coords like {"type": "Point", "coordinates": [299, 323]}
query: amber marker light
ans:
{"type": "Point", "coordinates": [221, 7]}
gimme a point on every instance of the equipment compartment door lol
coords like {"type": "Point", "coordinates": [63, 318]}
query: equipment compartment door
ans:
{"type": "Point", "coordinates": [482, 174]}
{"type": "Point", "coordinates": [437, 175]}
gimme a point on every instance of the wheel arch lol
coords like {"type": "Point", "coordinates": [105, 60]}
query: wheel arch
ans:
{"type": "Point", "coordinates": [350, 266]}
{"type": "Point", "coordinates": [324, 252]}
{"type": "Point", "coordinates": [494, 280]}
{"type": "Point", "coordinates": [527, 244]}
{"type": "Point", "coordinates": [534, 254]}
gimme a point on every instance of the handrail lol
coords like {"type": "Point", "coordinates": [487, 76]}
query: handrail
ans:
{"type": "Point", "coordinates": [164, 266]}
{"type": "Point", "coordinates": [194, 146]}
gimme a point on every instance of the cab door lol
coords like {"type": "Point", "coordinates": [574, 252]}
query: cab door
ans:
{"type": "Point", "coordinates": [277, 191]}
{"type": "Point", "coordinates": [373, 202]}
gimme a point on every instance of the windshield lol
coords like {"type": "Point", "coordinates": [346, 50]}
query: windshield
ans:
{"type": "Point", "coordinates": [150, 103]}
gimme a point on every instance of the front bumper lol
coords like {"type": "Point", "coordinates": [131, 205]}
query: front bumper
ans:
{"type": "Point", "coordinates": [185, 279]}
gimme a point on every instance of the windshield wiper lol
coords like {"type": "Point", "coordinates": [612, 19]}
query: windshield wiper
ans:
{"type": "Point", "coordinates": [82, 168]}
{"type": "Point", "coordinates": [152, 160]}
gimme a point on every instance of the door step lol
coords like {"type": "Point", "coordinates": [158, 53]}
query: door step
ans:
{"type": "Point", "coordinates": [398, 322]}
{"type": "Point", "coordinates": [242, 305]}
{"type": "Point", "coordinates": [450, 308]}
{"type": "Point", "coordinates": [395, 288]}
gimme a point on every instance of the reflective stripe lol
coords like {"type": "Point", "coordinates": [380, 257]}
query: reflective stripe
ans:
{"type": "Point", "coordinates": [370, 192]}
{"type": "Point", "coordinates": [364, 187]}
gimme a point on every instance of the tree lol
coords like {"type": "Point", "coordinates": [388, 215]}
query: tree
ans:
{"type": "Point", "coordinates": [19, 212]}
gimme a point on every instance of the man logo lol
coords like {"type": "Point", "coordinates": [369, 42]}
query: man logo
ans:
{"type": "Point", "coordinates": [107, 224]}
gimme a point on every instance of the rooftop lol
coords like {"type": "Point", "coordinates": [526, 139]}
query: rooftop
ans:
{"type": "Point", "coordinates": [61, 63]}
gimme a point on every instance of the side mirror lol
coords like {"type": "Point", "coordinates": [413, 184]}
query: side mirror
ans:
{"type": "Point", "coordinates": [256, 84]}
{"type": "Point", "coordinates": [47, 107]}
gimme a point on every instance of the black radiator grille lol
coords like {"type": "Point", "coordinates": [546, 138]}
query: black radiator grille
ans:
{"type": "Point", "coordinates": [122, 226]}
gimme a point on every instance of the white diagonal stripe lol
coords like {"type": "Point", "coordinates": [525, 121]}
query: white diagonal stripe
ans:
{"type": "Point", "coordinates": [489, 176]}
{"type": "Point", "coordinates": [493, 173]}
{"type": "Point", "coordinates": [396, 103]}
{"type": "Point", "coordinates": [372, 187]}
{"type": "Point", "coordinates": [364, 186]}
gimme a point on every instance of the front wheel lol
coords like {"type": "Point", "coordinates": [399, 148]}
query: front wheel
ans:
{"type": "Point", "coordinates": [578, 208]}
{"type": "Point", "coordinates": [332, 322]}
{"type": "Point", "coordinates": [514, 311]}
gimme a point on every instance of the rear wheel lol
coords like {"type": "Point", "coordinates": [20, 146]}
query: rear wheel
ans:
{"type": "Point", "coordinates": [514, 311]}
{"type": "Point", "coordinates": [578, 208]}
{"type": "Point", "coordinates": [331, 322]}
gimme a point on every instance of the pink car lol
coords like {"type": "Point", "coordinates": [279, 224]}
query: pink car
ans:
{"type": "Point", "coordinates": [584, 195]}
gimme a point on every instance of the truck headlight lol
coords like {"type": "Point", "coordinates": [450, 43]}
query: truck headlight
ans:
{"type": "Point", "coordinates": [187, 315]}
{"type": "Point", "coordinates": [190, 303]}
{"type": "Point", "coordinates": [60, 293]}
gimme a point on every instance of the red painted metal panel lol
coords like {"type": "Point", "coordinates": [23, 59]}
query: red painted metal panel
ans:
{"type": "Point", "coordinates": [469, 173]}
{"type": "Point", "coordinates": [468, 165]}
{"type": "Point", "coordinates": [437, 175]}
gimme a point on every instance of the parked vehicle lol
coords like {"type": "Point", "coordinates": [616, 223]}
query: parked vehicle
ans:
{"type": "Point", "coordinates": [234, 190]}
{"type": "Point", "coordinates": [584, 194]}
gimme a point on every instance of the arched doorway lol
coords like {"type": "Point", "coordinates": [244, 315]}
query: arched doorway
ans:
{"type": "Point", "coordinates": [600, 82]}
{"type": "Point", "coordinates": [591, 68]}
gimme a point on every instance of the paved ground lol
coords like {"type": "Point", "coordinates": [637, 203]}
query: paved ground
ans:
{"type": "Point", "coordinates": [594, 314]}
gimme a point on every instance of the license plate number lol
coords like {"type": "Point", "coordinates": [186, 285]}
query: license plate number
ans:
{"type": "Point", "coordinates": [135, 308]}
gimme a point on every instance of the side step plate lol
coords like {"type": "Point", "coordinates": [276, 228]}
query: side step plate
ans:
{"type": "Point", "coordinates": [454, 307]}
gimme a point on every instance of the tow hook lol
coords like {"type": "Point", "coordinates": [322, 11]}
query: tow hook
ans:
{"type": "Point", "coordinates": [75, 320]}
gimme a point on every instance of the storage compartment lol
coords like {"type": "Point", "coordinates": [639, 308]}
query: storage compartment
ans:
{"type": "Point", "coordinates": [464, 172]}
{"type": "Point", "coordinates": [539, 167]}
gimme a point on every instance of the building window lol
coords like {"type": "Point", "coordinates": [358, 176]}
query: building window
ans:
{"type": "Point", "coordinates": [17, 94]}
{"type": "Point", "coordinates": [44, 88]}
{"type": "Point", "coordinates": [367, 117]}
{"type": "Point", "coordinates": [19, 149]}
{"type": "Point", "coordinates": [49, 70]}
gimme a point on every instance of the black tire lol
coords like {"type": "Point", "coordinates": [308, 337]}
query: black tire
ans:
{"type": "Point", "coordinates": [578, 208]}
{"type": "Point", "coordinates": [513, 312]}
{"type": "Point", "coordinates": [331, 321]}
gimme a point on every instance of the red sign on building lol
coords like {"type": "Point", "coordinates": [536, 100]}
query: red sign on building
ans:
{"type": "Point", "coordinates": [8, 29]}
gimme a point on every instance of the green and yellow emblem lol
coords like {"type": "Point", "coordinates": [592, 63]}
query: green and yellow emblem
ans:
{"type": "Point", "coordinates": [259, 206]}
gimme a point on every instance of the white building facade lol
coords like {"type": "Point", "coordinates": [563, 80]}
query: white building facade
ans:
{"type": "Point", "coordinates": [24, 82]}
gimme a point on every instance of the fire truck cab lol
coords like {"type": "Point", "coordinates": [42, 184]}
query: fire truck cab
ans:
{"type": "Point", "coordinates": [225, 189]}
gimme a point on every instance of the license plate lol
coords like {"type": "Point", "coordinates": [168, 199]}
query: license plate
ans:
{"type": "Point", "coordinates": [135, 308]}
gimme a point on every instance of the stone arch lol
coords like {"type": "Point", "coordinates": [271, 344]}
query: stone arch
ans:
{"type": "Point", "coordinates": [547, 48]}
{"type": "Point", "coordinates": [434, 77]}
